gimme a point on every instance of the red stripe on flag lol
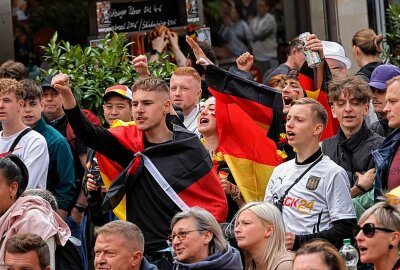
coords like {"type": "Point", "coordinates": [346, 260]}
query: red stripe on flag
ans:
{"type": "Point", "coordinates": [241, 137]}
{"type": "Point", "coordinates": [256, 111]}
{"type": "Point", "coordinates": [212, 199]}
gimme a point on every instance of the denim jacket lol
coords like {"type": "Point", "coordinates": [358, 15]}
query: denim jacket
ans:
{"type": "Point", "coordinates": [383, 158]}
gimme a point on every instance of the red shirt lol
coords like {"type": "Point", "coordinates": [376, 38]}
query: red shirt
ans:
{"type": "Point", "coordinates": [394, 171]}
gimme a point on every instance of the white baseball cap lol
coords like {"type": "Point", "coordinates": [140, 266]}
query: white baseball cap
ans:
{"type": "Point", "coordinates": [335, 51]}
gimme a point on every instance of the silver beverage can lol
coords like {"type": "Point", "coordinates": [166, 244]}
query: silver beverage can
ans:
{"type": "Point", "coordinates": [312, 58]}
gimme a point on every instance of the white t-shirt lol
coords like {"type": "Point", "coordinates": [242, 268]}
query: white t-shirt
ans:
{"type": "Point", "coordinates": [32, 149]}
{"type": "Point", "coordinates": [190, 121]}
{"type": "Point", "coordinates": [320, 197]}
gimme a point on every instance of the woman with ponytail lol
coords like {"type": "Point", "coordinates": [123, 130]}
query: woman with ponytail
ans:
{"type": "Point", "coordinates": [366, 50]}
{"type": "Point", "coordinates": [30, 214]}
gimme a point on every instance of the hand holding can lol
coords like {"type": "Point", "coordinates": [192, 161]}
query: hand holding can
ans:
{"type": "Point", "coordinates": [312, 57]}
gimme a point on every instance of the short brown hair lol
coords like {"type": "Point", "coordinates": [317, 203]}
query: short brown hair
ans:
{"type": "Point", "coordinates": [187, 71]}
{"type": "Point", "coordinates": [329, 253]}
{"type": "Point", "coordinates": [368, 41]}
{"type": "Point", "coordinates": [23, 243]}
{"type": "Point", "coordinates": [130, 232]}
{"type": "Point", "coordinates": [12, 86]}
{"type": "Point", "coordinates": [32, 90]}
{"type": "Point", "coordinates": [349, 85]}
{"type": "Point", "coordinates": [317, 109]}
{"type": "Point", "coordinates": [151, 84]}
{"type": "Point", "coordinates": [13, 70]}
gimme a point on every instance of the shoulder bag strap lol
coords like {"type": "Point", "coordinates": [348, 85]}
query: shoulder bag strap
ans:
{"type": "Point", "coordinates": [299, 178]}
{"type": "Point", "coordinates": [16, 141]}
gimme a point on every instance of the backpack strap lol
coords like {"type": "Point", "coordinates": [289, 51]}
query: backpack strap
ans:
{"type": "Point", "coordinates": [16, 141]}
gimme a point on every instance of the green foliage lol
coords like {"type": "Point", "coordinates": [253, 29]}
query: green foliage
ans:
{"type": "Point", "coordinates": [392, 51]}
{"type": "Point", "coordinates": [93, 69]}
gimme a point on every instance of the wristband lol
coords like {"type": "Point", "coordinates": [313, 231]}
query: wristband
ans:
{"type": "Point", "coordinates": [155, 52]}
{"type": "Point", "coordinates": [361, 188]}
{"type": "Point", "coordinates": [235, 197]}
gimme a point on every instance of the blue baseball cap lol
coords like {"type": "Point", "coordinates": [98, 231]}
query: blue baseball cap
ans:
{"type": "Point", "coordinates": [381, 75]}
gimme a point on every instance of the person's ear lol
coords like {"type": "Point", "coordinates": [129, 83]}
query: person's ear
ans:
{"type": "Point", "coordinates": [21, 104]}
{"type": "Point", "coordinates": [318, 129]}
{"type": "Point", "coordinates": [269, 230]}
{"type": "Point", "coordinates": [198, 94]}
{"type": "Point", "coordinates": [136, 258]}
{"type": "Point", "coordinates": [366, 109]}
{"type": "Point", "coordinates": [395, 239]}
{"type": "Point", "coordinates": [13, 189]}
{"type": "Point", "coordinates": [167, 106]}
{"type": "Point", "coordinates": [208, 237]}
{"type": "Point", "coordinates": [333, 111]}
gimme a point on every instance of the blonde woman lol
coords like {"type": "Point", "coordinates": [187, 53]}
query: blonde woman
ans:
{"type": "Point", "coordinates": [379, 236]}
{"type": "Point", "coordinates": [260, 233]}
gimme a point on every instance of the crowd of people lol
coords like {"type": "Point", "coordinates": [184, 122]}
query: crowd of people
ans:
{"type": "Point", "coordinates": [160, 185]}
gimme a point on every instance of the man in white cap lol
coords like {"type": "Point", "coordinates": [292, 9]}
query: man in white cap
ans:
{"type": "Point", "coordinates": [339, 64]}
{"type": "Point", "coordinates": [336, 58]}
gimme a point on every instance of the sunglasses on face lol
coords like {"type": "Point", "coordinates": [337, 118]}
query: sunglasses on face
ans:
{"type": "Point", "coordinates": [368, 230]}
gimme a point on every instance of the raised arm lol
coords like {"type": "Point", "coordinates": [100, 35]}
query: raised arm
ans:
{"type": "Point", "coordinates": [93, 136]}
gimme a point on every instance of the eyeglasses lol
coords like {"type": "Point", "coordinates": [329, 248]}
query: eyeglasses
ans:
{"type": "Point", "coordinates": [181, 235]}
{"type": "Point", "coordinates": [292, 74]}
{"type": "Point", "coordinates": [369, 229]}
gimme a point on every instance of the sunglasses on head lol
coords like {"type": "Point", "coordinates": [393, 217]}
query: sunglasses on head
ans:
{"type": "Point", "coordinates": [368, 229]}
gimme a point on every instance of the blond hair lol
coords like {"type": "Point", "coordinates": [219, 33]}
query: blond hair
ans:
{"type": "Point", "coordinates": [268, 214]}
{"type": "Point", "coordinates": [12, 86]}
{"type": "Point", "coordinates": [385, 215]}
{"type": "Point", "coordinates": [187, 71]}
{"type": "Point", "coordinates": [319, 112]}
{"type": "Point", "coordinates": [129, 232]}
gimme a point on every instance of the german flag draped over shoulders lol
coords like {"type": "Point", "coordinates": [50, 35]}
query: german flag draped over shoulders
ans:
{"type": "Point", "coordinates": [183, 163]}
{"type": "Point", "coordinates": [244, 114]}
{"type": "Point", "coordinates": [315, 85]}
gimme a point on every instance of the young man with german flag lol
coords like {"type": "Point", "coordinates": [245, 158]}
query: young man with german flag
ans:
{"type": "Point", "coordinates": [157, 168]}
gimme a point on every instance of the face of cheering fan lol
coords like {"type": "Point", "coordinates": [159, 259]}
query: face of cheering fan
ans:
{"type": "Point", "coordinates": [206, 121]}
{"type": "Point", "coordinates": [190, 243]}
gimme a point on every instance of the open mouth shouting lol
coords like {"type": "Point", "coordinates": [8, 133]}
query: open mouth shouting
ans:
{"type": "Point", "coordinates": [204, 120]}
{"type": "Point", "coordinates": [287, 100]}
{"type": "Point", "coordinates": [290, 135]}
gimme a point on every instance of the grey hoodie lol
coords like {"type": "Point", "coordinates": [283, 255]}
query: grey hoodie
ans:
{"type": "Point", "coordinates": [229, 260]}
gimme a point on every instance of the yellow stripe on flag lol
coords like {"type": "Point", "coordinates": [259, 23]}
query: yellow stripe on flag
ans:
{"type": "Point", "coordinates": [313, 94]}
{"type": "Point", "coordinates": [120, 210]}
{"type": "Point", "coordinates": [251, 177]}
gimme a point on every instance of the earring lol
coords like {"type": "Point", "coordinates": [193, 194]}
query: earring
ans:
{"type": "Point", "coordinates": [390, 246]}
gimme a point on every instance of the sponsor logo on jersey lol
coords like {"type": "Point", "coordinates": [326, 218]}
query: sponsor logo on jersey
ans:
{"type": "Point", "coordinates": [312, 182]}
{"type": "Point", "coordinates": [301, 205]}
